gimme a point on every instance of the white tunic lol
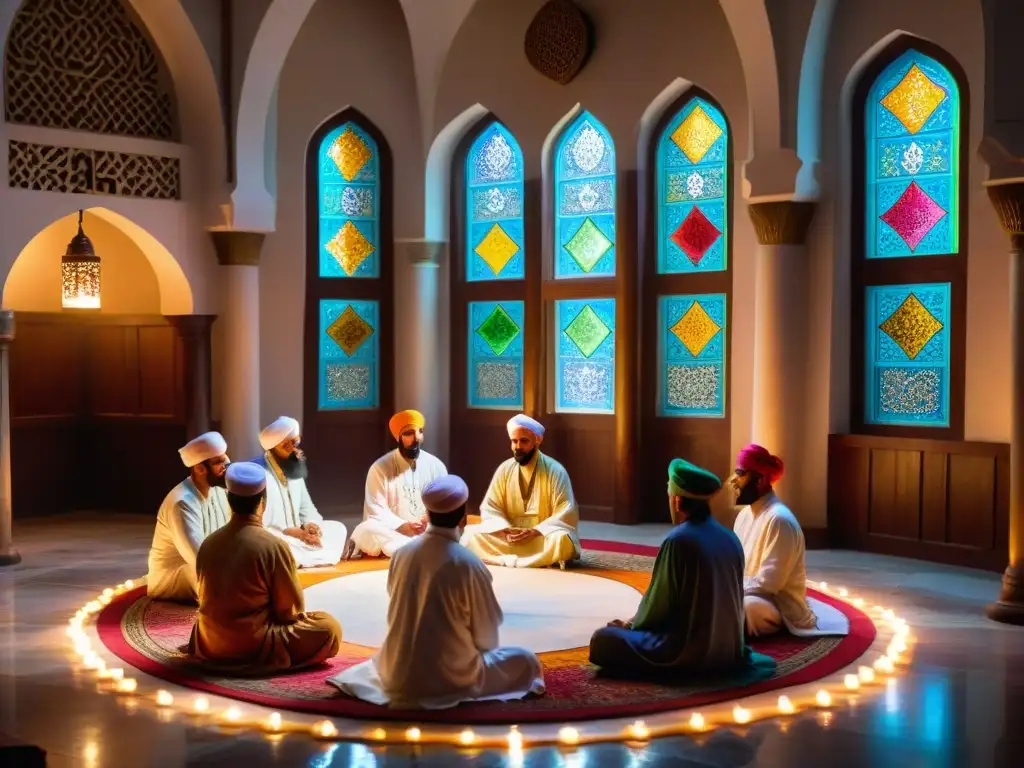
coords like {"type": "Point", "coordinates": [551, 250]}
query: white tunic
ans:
{"type": "Point", "coordinates": [185, 519]}
{"type": "Point", "coordinates": [539, 496]}
{"type": "Point", "coordinates": [441, 647]}
{"type": "Point", "coordinates": [289, 505]}
{"type": "Point", "coordinates": [393, 488]}
{"type": "Point", "coordinates": [773, 545]}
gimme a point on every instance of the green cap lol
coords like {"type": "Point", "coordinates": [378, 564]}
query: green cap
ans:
{"type": "Point", "coordinates": [689, 480]}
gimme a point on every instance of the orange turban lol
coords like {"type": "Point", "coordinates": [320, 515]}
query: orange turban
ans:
{"type": "Point", "coordinates": [405, 419]}
{"type": "Point", "coordinates": [754, 458]}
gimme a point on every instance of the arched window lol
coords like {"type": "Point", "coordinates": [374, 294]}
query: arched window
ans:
{"type": "Point", "coordinates": [909, 275]}
{"type": "Point", "coordinates": [686, 290]}
{"type": "Point", "coordinates": [348, 370]}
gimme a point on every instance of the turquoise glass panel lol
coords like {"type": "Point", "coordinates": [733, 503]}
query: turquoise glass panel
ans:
{"type": "Point", "coordinates": [495, 246]}
{"type": "Point", "coordinates": [496, 354]}
{"type": "Point", "coordinates": [585, 355]}
{"type": "Point", "coordinates": [349, 351]}
{"type": "Point", "coordinates": [692, 355]}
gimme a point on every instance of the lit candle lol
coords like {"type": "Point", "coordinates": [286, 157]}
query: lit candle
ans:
{"type": "Point", "coordinates": [378, 734]}
{"type": "Point", "coordinates": [823, 585]}
{"type": "Point", "coordinates": [515, 738]}
{"type": "Point", "coordinates": [858, 602]}
{"type": "Point", "coordinates": [128, 685]}
{"type": "Point", "coordinates": [823, 698]}
{"type": "Point", "coordinates": [786, 706]}
{"type": "Point", "coordinates": [639, 730]}
{"type": "Point", "coordinates": [129, 584]}
{"type": "Point", "coordinates": [866, 674]}
{"type": "Point", "coordinates": [413, 734]}
{"type": "Point", "coordinates": [273, 722]}
{"type": "Point", "coordinates": [325, 729]}
{"type": "Point", "coordinates": [888, 615]}
{"type": "Point", "coordinates": [885, 665]}
{"type": "Point", "coordinates": [697, 721]}
{"type": "Point", "coordinates": [568, 735]}
{"type": "Point", "coordinates": [740, 715]}
{"type": "Point", "coordinates": [232, 715]}
{"type": "Point", "coordinates": [843, 592]}
{"type": "Point", "coordinates": [467, 737]}
{"type": "Point", "coordinates": [852, 682]}
{"type": "Point", "coordinates": [201, 704]}
{"type": "Point", "coordinates": [164, 699]}
{"type": "Point", "coordinates": [108, 592]}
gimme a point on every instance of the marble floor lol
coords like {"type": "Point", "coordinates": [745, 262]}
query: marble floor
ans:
{"type": "Point", "coordinates": [961, 703]}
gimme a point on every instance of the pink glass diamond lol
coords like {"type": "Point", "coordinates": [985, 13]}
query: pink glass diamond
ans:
{"type": "Point", "coordinates": [913, 215]}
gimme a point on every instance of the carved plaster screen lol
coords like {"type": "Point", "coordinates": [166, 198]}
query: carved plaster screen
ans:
{"type": "Point", "coordinates": [349, 353]}
{"type": "Point", "coordinates": [692, 191]}
{"type": "Point", "coordinates": [496, 354]}
{"type": "Point", "coordinates": [692, 355]}
{"type": "Point", "coordinates": [585, 200]}
{"type": "Point", "coordinates": [494, 207]}
{"type": "Point", "coordinates": [585, 355]}
{"type": "Point", "coordinates": [907, 339]}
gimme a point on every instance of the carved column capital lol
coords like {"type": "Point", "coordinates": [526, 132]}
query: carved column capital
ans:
{"type": "Point", "coordinates": [781, 222]}
{"type": "Point", "coordinates": [421, 253]}
{"type": "Point", "coordinates": [236, 248]}
{"type": "Point", "coordinates": [1008, 200]}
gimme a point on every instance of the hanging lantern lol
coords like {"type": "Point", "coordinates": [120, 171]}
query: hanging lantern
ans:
{"type": "Point", "coordinates": [80, 273]}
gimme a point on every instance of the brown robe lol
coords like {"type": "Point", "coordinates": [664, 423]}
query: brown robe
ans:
{"type": "Point", "coordinates": [251, 616]}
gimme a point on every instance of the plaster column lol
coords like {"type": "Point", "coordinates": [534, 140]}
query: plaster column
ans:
{"type": "Point", "coordinates": [1008, 200]}
{"type": "Point", "coordinates": [239, 256]}
{"type": "Point", "coordinates": [194, 332]}
{"type": "Point", "coordinates": [7, 554]}
{"type": "Point", "coordinates": [417, 318]}
{"type": "Point", "coordinates": [780, 330]}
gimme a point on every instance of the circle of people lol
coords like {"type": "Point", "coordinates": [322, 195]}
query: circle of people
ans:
{"type": "Point", "coordinates": [232, 536]}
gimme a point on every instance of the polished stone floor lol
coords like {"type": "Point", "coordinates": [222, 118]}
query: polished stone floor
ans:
{"type": "Point", "coordinates": [960, 704]}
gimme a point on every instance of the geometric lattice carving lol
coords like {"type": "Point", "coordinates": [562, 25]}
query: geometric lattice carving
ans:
{"type": "Point", "coordinates": [84, 66]}
{"type": "Point", "coordinates": [92, 172]}
{"type": "Point", "coordinates": [558, 41]}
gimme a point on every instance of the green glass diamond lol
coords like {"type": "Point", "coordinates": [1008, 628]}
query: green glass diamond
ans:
{"type": "Point", "coordinates": [498, 330]}
{"type": "Point", "coordinates": [588, 245]}
{"type": "Point", "coordinates": [587, 331]}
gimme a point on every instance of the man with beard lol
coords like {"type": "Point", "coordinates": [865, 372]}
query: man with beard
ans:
{"type": "Point", "coordinates": [290, 512]}
{"type": "Point", "coordinates": [195, 508]}
{"type": "Point", "coordinates": [775, 579]}
{"type": "Point", "coordinates": [393, 510]}
{"type": "Point", "coordinates": [529, 516]}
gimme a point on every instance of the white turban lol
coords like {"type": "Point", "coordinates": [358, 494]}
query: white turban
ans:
{"type": "Point", "coordinates": [522, 421]}
{"type": "Point", "coordinates": [207, 446]}
{"type": "Point", "coordinates": [276, 432]}
{"type": "Point", "coordinates": [445, 494]}
{"type": "Point", "coordinates": [246, 479]}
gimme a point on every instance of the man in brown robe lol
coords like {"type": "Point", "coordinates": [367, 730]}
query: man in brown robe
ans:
{"type": "Point", "coordinates": [251, 616]}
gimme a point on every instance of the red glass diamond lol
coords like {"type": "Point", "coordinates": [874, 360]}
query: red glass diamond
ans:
{"type": "Point", "coordinates": [695, 235]}
{"type": "Point", "coordinates": [913, 215]}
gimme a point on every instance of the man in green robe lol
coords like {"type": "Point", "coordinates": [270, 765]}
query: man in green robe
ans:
{"type": "Point", "coordinates": [690, 620]}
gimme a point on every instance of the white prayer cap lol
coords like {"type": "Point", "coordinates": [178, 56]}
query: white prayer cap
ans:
{"type": "Point", "coordinates": [276, 432]}
{"type": "Point", "coordinates": [522, 421]}
{"type": "Point", "coordinates": [246, 479]}
{"type": "Point", "coordinates": [207, 446]}
{"type": "Point", "coordinates": [445, 494]}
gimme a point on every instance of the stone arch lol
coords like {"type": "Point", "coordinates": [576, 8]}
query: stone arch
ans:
{"type": "Point", "coordinates": [175, 289]}
{"type": "Point", "coordinates": [653, 114]}
{"type": "Point", "coordinates": [438, 174]}
{"type": "Point", "coordinates": [812, 73]}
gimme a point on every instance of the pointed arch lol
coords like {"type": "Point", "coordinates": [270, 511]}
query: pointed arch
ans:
{"type": "Point", "coordinates": [349, 336]}
{"type": "Point", "coordinates": [908, 226]}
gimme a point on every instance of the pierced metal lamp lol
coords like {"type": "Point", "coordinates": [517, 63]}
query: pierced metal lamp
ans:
{"type": "Point", "coordinates": [80, 273]}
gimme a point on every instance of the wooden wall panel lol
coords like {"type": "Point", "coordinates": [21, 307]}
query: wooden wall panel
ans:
{"type": "Point", "coordinates": [477, 449]}
{"type": "Point", "coordinates": [946, 501]}
{"type": "Point", "coordinates": [160, 374]}
{"type": "Point", "coordinates": [585, 446]}
{"type": "Point", "coordinates": [53, 355]}
{"type": "Point", "coordinates": [112, 370]}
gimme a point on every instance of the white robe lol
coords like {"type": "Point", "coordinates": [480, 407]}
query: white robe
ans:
{"type": "Point", "coordinates": [537, 496]}
{"type": "Point", "coordinates": [393, 488]}
{"type": "Point", "coordinates": [289, 505]}
{"type": "Point", "coordinates": [185, 519]}
{"type": "Point", "coordinates": [441, 646]}
{"type": "Point", "coordinates": [775, 574]}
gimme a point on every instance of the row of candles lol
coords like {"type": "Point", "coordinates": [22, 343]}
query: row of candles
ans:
{"type": "Point", "coordinates": [113, 679]}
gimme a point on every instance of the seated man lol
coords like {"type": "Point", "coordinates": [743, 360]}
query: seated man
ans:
{"type": "Point", "coordinates": [441, 646]}
{"type": "Point", "coordinates": [690, 620]}
{"type": "Point", "coordinates": [393, 511]}
{"type": "Point", "coordinates": [290, 509]}
{"type": "Point", "coordinates": [195, 508]}
{"type": "Point", "coordinates": [251, 616]}
{"type": "Point", "coordinates": [775, 586]}
{"type": "Point", "coordinates": [529, 515]}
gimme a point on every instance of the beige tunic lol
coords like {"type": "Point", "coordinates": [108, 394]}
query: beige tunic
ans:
{"type": "Point", "coordinates": [252, 616]}
{"type": "Point", "coordinates": [539, 496]}
{"type": "Point", "coordinates": [289, 505]}
{"type": "Point", "coordinates": [773, 545]}
{"type": "Point", "coordinates": [393, 489]}
{"type": "Point", "coordinates": [185, 519]}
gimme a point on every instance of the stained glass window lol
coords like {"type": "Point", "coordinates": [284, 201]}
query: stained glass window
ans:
{"type": "Point", "coordinates": [585, 349]}
{"type": "Point", "coordinates": [349, 352]}
{"type": "Point", "coordinates": [913, 156]}
{"type": "Point", "coordinates": [585, 200]}
{"type": "Point", "coordinates": [496, 354]}
{"type": "Point", "coordinates": [907, 335]}
{"type": "Point", "coordinates": [349, 187]}
{"type": "Point", "coordinates": [494, 207]}
{"type": "Point", "coordinates": [691, 355]}
{"type": "Point", "coordinates": [692, 191]}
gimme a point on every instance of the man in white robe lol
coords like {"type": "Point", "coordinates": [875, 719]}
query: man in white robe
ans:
{"type": "Point", "coordinates": [441, 647]}
{"type": "Point", "coordinates": [775, 579]}
{"type": "Point", "coordinates": [529, 517]}
{"type": "Point", "coordinates": [393, 511]}
{"type": "Point", "coordinates": [290, 512]}
{"type": "Point", "coordinates": [195, 508]}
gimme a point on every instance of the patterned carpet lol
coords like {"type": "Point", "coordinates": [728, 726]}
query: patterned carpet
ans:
{"type": "Point", "coordinates": [148, 635]}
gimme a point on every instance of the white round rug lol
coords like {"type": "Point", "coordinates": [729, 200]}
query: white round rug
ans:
{"type": "Point", "coordinates": [545, 609]}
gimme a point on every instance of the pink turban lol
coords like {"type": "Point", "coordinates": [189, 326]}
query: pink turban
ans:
{"type": "Point", "coordinates": [754, 458]}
